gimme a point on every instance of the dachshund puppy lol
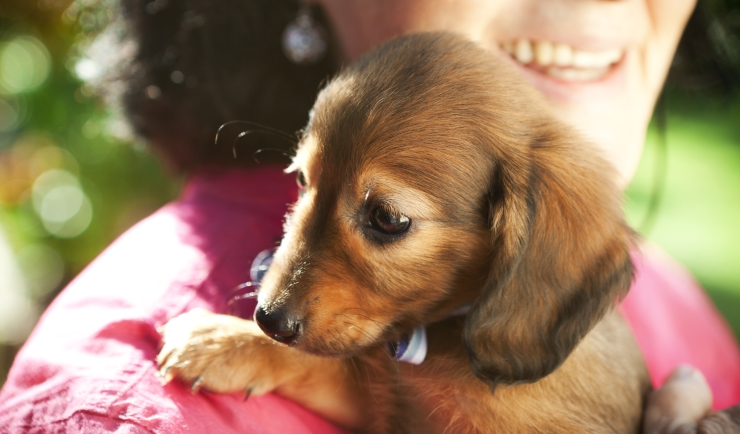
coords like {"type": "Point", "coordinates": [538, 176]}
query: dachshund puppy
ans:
{"type": "Point", "coordinates": [432, 177]}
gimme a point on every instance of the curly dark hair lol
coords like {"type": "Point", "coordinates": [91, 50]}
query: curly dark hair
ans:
{"type": "Point", "coordinates": [197, 64]}
{"type": "Point", "coordinates": [200, 63]}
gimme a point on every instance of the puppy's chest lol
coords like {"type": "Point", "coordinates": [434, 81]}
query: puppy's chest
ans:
{"type": "Point", "coordinates": [440, 395]}
{"type": "Point", "coordinates": [443, 395]}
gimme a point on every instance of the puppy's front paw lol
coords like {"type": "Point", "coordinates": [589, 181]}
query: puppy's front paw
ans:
{"type": "Point", "coordinates": [218, 353]}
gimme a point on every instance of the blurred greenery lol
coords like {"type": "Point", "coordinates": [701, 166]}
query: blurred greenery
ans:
{"type": "Point", "coordinates": [54, 129]}
{"type": "Point", "coordinates": [698, 221]}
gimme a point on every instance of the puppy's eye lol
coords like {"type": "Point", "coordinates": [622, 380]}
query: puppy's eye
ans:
{"type": "Point", "coordinates": [300, 179]}
{"type": "Point", "coordinates": [388, 222]}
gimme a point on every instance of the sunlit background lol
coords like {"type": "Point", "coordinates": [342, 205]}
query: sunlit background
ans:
{"type": "Point", "coordinates": [72, 178]}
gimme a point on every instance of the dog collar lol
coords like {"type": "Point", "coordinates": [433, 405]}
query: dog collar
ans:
{"type": "Point", "coordinates": [412, 348]}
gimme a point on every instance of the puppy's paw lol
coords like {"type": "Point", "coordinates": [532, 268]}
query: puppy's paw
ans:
{"type": "Point", "coordinates": [218, 353]}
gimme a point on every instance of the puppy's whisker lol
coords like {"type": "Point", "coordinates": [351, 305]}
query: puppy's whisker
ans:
{"type": "Point", "coordinates": [365, 332]}
{"type": "Point", "coordinates": [333, 343]}
{"type": "Point", "coordinates": [351, 359]}
{"type": "Point", "coordinates": [248, 132]}
{"type": "Point", "coordinates": [258, 151]}
{"type": "Point", "coordinates": [344, 376]}
{"type": "Point", "coordinates": [264, 128]}
{"type": "Point", "coordinates": [383, 327]}
{"type": "Point", "coordinates": [370, 382]}
{"type": "Point", "coordinates": [257, 129]}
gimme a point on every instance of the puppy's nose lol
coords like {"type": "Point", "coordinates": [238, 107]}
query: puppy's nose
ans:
{"type": "Point", "coordinates": [276, 325]}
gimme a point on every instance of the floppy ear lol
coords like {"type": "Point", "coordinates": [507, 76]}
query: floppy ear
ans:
{"type": "Point", "coordinates": [560, 259]}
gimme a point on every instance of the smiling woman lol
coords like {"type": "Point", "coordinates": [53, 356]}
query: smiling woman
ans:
{"type": "Point", "coordinates": [183, 68]}
{"type": "Point", "coordinates": [607, 59]}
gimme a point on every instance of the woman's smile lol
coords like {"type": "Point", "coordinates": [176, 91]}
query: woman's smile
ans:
{"type": "Point", "coordinates": [564, 73]}
{"type": "Point", "coordinates": [600, 64]}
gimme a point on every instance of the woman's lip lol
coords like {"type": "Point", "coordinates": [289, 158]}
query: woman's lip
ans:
{"type": "Point", "coordinates": [606, 86]}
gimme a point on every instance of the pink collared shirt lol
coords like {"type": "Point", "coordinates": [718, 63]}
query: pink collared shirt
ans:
{"type": "Point", "coordinates": [89, 365]}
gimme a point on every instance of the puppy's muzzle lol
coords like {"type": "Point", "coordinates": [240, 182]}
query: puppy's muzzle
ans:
{"type": "Point", "coordinates": [277, 325]}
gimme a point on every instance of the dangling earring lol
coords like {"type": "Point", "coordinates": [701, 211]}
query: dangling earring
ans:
{"type": "Point", "coordinates": [304, 39]}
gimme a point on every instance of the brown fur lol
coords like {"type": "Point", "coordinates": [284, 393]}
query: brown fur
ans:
{"type": "Point", "coordinates": [508, 209]}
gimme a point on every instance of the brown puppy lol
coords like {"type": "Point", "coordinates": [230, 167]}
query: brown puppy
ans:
{"type": "Point", "coordinates": [432, 177]}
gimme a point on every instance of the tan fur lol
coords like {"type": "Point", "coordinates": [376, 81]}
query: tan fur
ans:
{"type": "Point", "coordinates": [508, 209]}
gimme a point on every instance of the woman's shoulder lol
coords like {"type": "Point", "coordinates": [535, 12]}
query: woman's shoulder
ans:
{"type": "Point", "coordinates": [89, 364]}
{"type": "Point", "coordinates": [97, 341]}
{"type": "Point", "coordinates": [675, 322]}
{"type": "Point", "coordinates": [114, 387]}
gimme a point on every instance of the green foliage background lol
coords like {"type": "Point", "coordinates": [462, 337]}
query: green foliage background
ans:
{"type": "Point", "coordinates": [698, 221]}
{"type": "Point", "coordinates": [62, 119]}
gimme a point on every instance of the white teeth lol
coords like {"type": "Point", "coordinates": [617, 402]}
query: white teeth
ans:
{"type": "Point", "coordinates": [523, 51]}
{"type": "Point", "coordinates": [582, 59]}
{"type": "Point", "coordinates": [544, 53]}
{"type": "Point", "coordinates": [585, 59]}
{"type": "Point", "coordinates": [563, 61]}
{"type": "Point", "coordinates": [563, 55]}
{"type": "Point", "coordinates": [572, 74]}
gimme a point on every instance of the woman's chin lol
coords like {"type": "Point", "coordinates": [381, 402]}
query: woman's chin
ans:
{"type": "Point", "coordinates": [601, 106]}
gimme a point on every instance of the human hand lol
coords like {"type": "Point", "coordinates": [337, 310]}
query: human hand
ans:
{"type": "Point", "coordinates": [683, 405]}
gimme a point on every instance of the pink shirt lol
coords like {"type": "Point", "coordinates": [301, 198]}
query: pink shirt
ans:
{"type": "Point", "coordinates": [89, 365]}
{"type": "Point", "coordinates": [674, 322]}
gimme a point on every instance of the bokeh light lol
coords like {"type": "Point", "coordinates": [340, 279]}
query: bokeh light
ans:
{"type": "Point", "coordinates": [87, 69]}
{"type": "Point", "coordinates": [62, 205]}
{"type": "Point", "coordinates": [25, 64]}
{"type": "Point", "coordinates": [69, 181]}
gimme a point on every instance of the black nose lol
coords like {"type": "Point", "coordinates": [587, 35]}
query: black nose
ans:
{"type": "Point", "coordinates": [277, 325]}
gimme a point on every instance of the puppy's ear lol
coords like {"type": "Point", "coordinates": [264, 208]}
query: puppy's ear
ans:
{"type": "Point", "coordinates": [560, 259]}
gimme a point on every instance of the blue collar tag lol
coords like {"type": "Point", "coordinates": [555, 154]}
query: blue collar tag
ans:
{"type": "Point", "coordinates": [413, 348]}
{"type": "Point", "coordinates": [410, 348]}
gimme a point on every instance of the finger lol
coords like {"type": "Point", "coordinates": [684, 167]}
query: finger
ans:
{"type": "Point", "coordinates": [685, 398]}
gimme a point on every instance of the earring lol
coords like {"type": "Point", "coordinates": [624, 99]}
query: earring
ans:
{"type": "Point", "coordinates": [304, 40]}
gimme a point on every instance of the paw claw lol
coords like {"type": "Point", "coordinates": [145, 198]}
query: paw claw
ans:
{"type": "Point", "coordinates": [195, 387]}
{"type": "Point", "coordinates": [246, 396]}
{"type": "Point", "coordinates": [165, 377]}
